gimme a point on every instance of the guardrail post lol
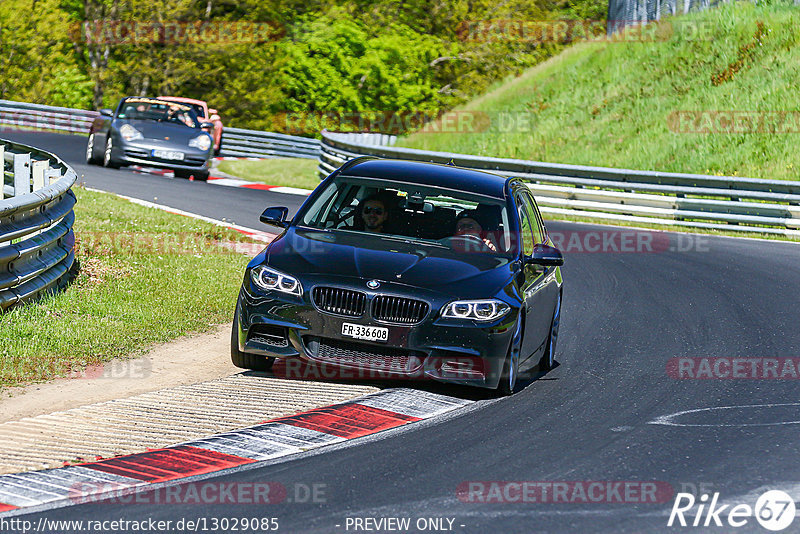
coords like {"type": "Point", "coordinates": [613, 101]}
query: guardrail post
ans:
{"type": "Point", "coordinates": [38, 170]}
{"type": "Point", "coordinates": [53, 175]}
{"type": "Point", "coordinates": [22, 174]}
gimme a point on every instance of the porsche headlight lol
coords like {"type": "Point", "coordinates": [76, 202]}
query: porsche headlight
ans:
{"type": "Point", "coordinates": [476, 310]}
{"type": "Point", "coordinates": [129, 133]}
{"type": "Point", "coordinates": [271, 280]}
{"type": "Point", "coordinates": [203, 142]}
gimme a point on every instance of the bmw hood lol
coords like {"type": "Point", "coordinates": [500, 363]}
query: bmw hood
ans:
{"type": "Point", "coordinates": [429, 266]}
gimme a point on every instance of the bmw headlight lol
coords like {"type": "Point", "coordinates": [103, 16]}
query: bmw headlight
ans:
{"type": "Point", "coordinates": [271, 280]}
{"type": "Point", "coordinates": [476, 310]}
{"type": "Point", "coordinates": [203, 142]}
{"type": "Point", "coordinates": [129, 133]}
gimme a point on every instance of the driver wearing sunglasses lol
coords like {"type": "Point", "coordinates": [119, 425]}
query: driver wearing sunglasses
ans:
{"type": "Point", "coordinates": [374, 214]}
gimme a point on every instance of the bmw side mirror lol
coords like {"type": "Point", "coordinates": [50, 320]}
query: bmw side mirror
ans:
{"type": "Point", "coordinates": [545, 255]}
{"type": "Point", "coordinates": [275, 216]}
{"type": "Point", "coordinates": [106, 112]}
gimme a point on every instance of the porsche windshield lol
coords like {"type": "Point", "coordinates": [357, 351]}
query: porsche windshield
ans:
{"type": "Point", "coordinates": [457, 219]}
{"type": "Point", "coordinates": [158, 111]}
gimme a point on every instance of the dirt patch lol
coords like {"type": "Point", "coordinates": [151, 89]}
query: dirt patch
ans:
{"type": "Point", "coordinates": [187, 360]}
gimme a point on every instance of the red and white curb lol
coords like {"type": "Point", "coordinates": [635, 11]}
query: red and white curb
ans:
{"type": "Point", "coordinates": [230, 182]}
{"type": "Point", "coordinates": [233, 182]}
{"type": "Point", "coordinates": [387, 409]}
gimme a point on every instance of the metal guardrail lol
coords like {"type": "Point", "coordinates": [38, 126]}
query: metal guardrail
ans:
{"type": "Point", "coordinates": [617, 195]}
{"type": "Point", "coordinates": [236, 142]}
{"type": "Point", "coordinates": [252, 143]}
{"type": "Point", "coordinates": [37, 116]}
{"type": "Point", "coordinates": [623, 13]}
{"type": "Point", "coordinates": [37, 242]}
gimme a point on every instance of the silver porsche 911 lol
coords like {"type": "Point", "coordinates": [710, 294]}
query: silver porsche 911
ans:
{"type": "Point", "coordinates": [151, 132]}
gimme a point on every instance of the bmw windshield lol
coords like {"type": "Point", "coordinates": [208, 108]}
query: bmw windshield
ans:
{"type": "Point", "coordinates": [459, 220]}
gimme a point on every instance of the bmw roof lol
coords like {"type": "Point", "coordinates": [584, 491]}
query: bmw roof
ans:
{"type": "Point", "coordinates": [433, 174]}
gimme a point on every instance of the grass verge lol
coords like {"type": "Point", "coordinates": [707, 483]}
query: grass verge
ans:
{"type": "Point", "coordinates": [291, 172]}
{"type": "Point", "coordinates": [621, 104]}
{"type": "Point", "coordinates": [147, 277]}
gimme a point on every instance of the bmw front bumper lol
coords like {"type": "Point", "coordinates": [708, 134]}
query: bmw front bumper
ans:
{"type": "Point", "coordinates": [465, 352]}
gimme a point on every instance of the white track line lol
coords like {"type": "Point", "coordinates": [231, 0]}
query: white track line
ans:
{"type": "Point", "coordinates": [252, 232]}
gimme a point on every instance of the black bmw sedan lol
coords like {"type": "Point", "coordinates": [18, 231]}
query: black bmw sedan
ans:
{"type": "Point", "coordinates": [414, 270]}
{"type": "Point", "coordinates": [151, 132]}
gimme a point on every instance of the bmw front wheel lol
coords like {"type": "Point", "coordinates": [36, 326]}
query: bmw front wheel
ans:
{"type": "Point", "coordinates": [510, 372]}
{"type": "Point", "coordinates": [548, 360]}
{"type": "Point", "coordinates": [243, 360]}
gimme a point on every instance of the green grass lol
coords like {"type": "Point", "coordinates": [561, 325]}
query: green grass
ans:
{"type": "Point", "coordinates": [292, 172]}
{"type": "Point", "coordinates": [610, 104]}
{"type": "Point", "coordinates": [147, 277]}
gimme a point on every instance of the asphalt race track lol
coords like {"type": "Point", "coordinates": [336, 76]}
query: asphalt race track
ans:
{"type": "Point", "coordinates": [625, 316]}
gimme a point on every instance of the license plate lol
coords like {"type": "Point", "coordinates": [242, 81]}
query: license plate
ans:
{"type": "Point", "coordinates": [367, 333]}
{"type": "Point", "coordinates": [167, 154]}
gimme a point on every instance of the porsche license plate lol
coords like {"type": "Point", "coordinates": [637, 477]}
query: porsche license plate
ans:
{"type": "Point", "coordinates": [367, 333]}
{"type": "Point", "coordinates": [168, 154]}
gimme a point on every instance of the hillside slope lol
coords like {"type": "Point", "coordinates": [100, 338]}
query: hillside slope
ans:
{"type": "Point", "coordinates": [660, 104]}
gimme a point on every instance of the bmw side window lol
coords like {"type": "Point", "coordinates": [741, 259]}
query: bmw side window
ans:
{"type": "Point", "coordinates": [538, 224]}
{"type": "Point", "coordinates": [318, 212]}
{"type": "Point", "coordinates": [525, 226]}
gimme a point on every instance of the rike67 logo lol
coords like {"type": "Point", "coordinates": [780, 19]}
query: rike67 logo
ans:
{"type": "Point", "coordinates": [774, 510]}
